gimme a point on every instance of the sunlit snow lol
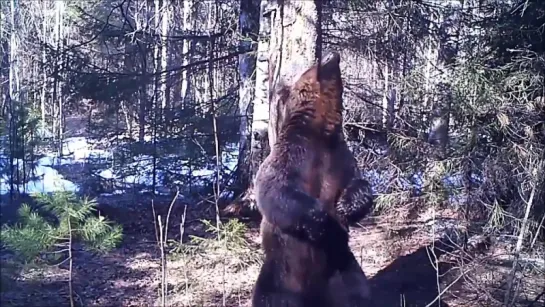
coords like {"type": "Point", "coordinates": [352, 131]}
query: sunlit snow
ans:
{"type": "Point", "coordinates": [79, 150]}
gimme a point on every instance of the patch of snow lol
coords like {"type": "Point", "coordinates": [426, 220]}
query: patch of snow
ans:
{"type": "Point", "coordinates": [107, 174]}
{"type": "Point", "coordinates": [77, 149]}
{"type": "Point", "coordinates": [49, 180]}
{"type": "Point", "coordinates": [139, 171]}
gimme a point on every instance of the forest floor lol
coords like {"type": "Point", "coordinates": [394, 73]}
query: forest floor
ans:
{"type": "Point", "coordinates": [397, 251]}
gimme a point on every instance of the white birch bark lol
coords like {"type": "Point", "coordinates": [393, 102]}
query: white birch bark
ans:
{"type": "Point", "coordinates": [295, 45]}
{"type": "Point", "coordinates": [187, 25]}
{"type": "Point", "coordinates": [260, 116]}
{"type": "Point", "coordinates": [248, 20]}
{"type": "Point", "coordinates": [165, 27]}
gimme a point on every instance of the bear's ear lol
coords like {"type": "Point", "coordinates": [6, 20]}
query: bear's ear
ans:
{"type": "Point", "coordinates": [327, 70]}
{"type": "Point", "coordinates": [329, 67]}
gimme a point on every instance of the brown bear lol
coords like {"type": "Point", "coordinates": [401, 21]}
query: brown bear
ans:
{"type": "Point", "coordinates": [305, 191]}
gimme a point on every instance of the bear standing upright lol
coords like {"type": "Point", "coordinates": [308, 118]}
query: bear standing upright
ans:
{"type": "Point", "coordinates": [309, 172]}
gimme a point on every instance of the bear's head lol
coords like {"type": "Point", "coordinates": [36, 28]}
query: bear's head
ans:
{"type": "Point", "coordinates": [314, 99]}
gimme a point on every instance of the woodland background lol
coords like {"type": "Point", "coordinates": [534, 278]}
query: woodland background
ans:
{"type": "Point", "coordinates": [137, 102]}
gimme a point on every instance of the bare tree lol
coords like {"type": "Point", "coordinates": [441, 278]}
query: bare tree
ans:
{"type": "Point", "coordinates": [165, 27]}
{"type": "Point", "coordinates": [187, 25]}
{"type": "Point", "coordinates": [58, 97]}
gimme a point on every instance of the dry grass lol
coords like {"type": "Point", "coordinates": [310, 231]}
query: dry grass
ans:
{"type": "Point", "coordinates": [394, 251]}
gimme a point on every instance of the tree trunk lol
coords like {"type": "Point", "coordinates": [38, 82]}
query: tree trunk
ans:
{"type": "Point", "coordinates": [439, 122]}
{"type": "Point", "coordinates": [129, 66]}
{"type": "Point", "coordinates": [388, 99]}
{"type": "Point", "coordinates": [248, 21]}
{"type": "Point", "coordinates": [44, 71]}
{"type": "Point", "coordinates": [439, 118]}
{"type": "Point", "coordinates": [295, 45]}
{"type": "Point", "coordinates": [187, 25]}
{"type": "Point", "coordinates": [142, 89]}
{"type": "Point", "coordinates": [13, 94]}
{"type": "Point", "coordinates": [165, 26]}
{"type": "Point", "coordinates": [57, 96]}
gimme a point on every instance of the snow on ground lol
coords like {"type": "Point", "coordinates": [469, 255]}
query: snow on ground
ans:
{"type": "Point", "coordinates": [78, 150]}
{"type": "Point", "coordinates": [48, 180]}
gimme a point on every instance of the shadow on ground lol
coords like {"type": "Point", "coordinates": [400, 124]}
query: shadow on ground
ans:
{"type": "Point", "coordinates": [410, 280]}
{"type": "Point", "coordinates": [96, 283]}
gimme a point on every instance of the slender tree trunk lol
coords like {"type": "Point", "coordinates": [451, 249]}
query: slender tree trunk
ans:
{"type": "Point", "coordinates": [165, 77]}
{"type": "Point", "coordinates": [187, 25]}
{"type": "Point", "coordinates": [260, 114]}
{"type": "Point", "coordinates": [129, 66]}
{"type": "Point", "coordinates": [142, 89]}
{"type": "Point", "coordinates": [439, 120]}
{"type": "Point", "coordinates": [388, 99]}
{"type": "Point", "coordinates": [13, 95]}
{"type": "Point", "coordinates": [16, 117]}
{"type": "Point", "coordinates": [5, 101]}
{"type": "Point", "coordinates": [157, 107]}
{"type": "Point", "coordinates": [430, 72]}
{"type": "Point", "coordinates": [57, 96]}
{"type": "Point", "coordinates": [44, 71]}
{"type": "Point", "coordinates": [157, 49]}
{"type": "Point", "coordinates": [70, 263]}
{"type": "Point", "coordinates": [4, 78]}
{"type": "Point", "coordinates": [248, 24]}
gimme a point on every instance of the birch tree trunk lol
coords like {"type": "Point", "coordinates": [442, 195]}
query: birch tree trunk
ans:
{"type": "Point", "coordinates": [388, 98]}
{"type": "Point", "coordinates": [165, 24]}
{"type": "Point", "coordinates": [13, 95]}
{"type": "Point", "coordinates": [439, 119]}
{"type": "Point", "coordinates": [296, 42]}
{"type": "Point", "coordinates": [129, 66]}
{"type": "Point", "coordinates": [248, 21]}
{"type": "Point", "coordinates": [142, 94]}
{"type": "Point", "coordinates": [430, 72]}
{"type": "Point", "coordinates": [260, 113]}
{"type": "Point", "coordinates": [13, 60]}
{"type": "Point", "coordinates": [57, 95]}
{"type": "Point", "coordinates": [156, 50]}
{"type": "Point", "coordinates": [44, 71]}
{"type": "Point", "coordinates": [165, 77]}
{"type": "Point", "coordinates": [4, 73]}
{"type": "Point", "coordinates": [187, 24]}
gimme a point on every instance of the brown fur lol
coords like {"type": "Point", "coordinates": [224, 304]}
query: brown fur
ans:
{"type": "Point", "coordinates": [298, 186]}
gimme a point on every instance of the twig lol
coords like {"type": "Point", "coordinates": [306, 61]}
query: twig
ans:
{"type": "Point", "coordinates": [182, 225]}
{"type": "Point", "coordinates": [537, 232]}
{"type": "Point", "coordinates": [182, 230]}
{"type": "Point", "coordinates": [163, 269]}
{"type": "Point", "coordinates": [448, 287]}
{"type": "Point", "coordinates": [168, 214]}
{"type": "Point", "coordinates": [70, 264]}
{"type": "Point", "coordinates": [435, 261]}
{"type": "Point", "coordinates": [154, 222]}
{"type": "Point", "coordinates": [518, 247]}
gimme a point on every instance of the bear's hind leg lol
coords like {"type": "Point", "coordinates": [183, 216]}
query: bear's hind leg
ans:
{"type": "Point", "coordinates": [350, 288]}
{"type": "Point", "coordinates": [269, 290]}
